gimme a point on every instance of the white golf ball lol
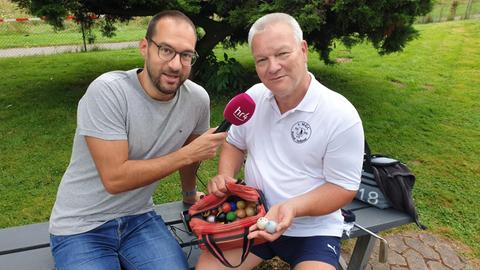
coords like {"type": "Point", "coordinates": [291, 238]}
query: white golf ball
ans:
{"type": "Point", "coordinates": [262, 222]}
{"type": "Point", "coordinates": [271, 227]}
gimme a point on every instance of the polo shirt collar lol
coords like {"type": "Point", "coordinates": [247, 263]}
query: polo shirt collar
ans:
{"type": "Point", "coordinates": [309, 102]}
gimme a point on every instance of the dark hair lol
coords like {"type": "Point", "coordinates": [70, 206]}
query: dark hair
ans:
{"type": "Point", "coordinates": [167, 14]}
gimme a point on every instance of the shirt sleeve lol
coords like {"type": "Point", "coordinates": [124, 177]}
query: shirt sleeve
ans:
{"type": "Point", "coordinates": [344, 158]}
{"type": "Point", "coordinates": [101, 113]}
{"type": "Point", "coordinates": [236, 137]}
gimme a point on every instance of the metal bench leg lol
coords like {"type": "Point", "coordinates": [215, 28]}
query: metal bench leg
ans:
{"type": "Point", "coordinates": [342, 265]}
{"type": "Point", "coordinates": [361, 253]}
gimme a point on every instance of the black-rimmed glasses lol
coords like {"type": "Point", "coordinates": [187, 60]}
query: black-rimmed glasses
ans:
{"type": "Point", "coordinates": [167, 53]}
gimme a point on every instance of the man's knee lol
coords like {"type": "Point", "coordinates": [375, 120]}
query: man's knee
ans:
{"type": "Point", "coordinates": [207, 261]}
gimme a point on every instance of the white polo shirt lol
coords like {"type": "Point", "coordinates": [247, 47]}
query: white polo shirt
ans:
{"type": "Point", "coordinates": [321, 140]}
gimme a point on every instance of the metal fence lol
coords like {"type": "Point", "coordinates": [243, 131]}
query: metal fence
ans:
{"type": "Point", "coordinates": [447, 10]}
{"type": "Point", "coordinates": [29, 36]}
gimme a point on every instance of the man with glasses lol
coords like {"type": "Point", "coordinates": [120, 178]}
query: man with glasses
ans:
{"type": "Point", "coordinates": [304, 148]}
{"type": "Point", "coordinates": [134, 128]}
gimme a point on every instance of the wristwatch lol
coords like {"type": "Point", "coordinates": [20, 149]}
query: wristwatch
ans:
{"type": "Point", "coordinates": [190, 193]}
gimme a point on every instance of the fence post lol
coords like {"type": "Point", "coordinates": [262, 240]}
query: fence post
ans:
{"type": "Point", "coordinates": [441, 12]}
{"type": "Point", "coordinates": [468, 10]}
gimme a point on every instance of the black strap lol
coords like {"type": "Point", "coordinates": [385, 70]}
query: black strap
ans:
{"type": "Point", "coordinates": [367, 159]}
{"type": "Point", "coordinates": [212, 246]}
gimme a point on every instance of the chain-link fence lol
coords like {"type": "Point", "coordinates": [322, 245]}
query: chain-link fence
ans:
{"type": "Point", "coordinates": [28, 36]}
{"type": "Point", "coordinates": [449, 10]}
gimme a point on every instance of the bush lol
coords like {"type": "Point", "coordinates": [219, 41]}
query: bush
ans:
{"type": "Point", "coordinates": [222, 78]}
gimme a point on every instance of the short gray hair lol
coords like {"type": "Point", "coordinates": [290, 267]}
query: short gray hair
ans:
{"type": "Point", "coordinates": [273, 18]}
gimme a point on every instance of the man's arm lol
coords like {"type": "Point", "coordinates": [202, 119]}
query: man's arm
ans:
{"type": "Point", "coordinates": [230, 163]}
{"type": "Point", "coordinates": [320, 201]}
{"type": "Point", "coordinates": [188, 177]}
{"type": "Point", "coordinates": [120, 174]}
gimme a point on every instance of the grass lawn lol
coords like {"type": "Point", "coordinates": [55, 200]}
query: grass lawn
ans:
{"type": "Point", "coordinates": [421, 106]}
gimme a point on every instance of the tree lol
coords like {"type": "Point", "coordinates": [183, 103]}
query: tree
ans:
{"type": "Point", "coordinates": [387, 24]}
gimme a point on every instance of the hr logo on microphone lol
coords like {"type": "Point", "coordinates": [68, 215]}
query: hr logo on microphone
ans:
{"type": "Point", "coordinates": [240, 115]}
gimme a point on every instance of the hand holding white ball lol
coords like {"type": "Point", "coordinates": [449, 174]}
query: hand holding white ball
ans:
{"type": "Point", "coordinates": [269, 225]}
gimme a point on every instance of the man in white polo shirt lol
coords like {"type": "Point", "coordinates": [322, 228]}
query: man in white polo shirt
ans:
{"type": "Point", "coordinates": [304, 147]}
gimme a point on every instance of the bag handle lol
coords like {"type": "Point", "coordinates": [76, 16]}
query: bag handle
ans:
{"type": "Point", "coordinates": [212, 246]}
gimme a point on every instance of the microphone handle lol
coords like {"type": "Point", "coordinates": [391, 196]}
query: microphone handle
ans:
{"type": "Point", "coordinates": [224, 126]}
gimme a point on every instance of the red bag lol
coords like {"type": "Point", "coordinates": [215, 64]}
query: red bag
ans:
{"type": "Point", "coordinates": [216, 237]}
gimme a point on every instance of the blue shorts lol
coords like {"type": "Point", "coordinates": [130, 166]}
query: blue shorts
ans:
{"type": "Point", "coordinates": [295, 250]}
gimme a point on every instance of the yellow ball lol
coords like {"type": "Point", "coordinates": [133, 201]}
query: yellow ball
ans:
{"type": "Point", "coordinates": [241, 204]}
{"type": "Point", "coordinates": [250, 211]}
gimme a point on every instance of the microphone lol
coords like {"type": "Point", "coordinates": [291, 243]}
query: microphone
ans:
{"type": "Point", "coordinates": [238, 111]}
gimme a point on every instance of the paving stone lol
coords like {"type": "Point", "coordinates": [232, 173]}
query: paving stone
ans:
{"type": "Point", "coordinates": [399, 268]}
{"type": "Point", "coordinates": [428, 239]}
{"type": "Point", "coordinates": [449, 256]}
{"type": "Point", "coordinates": [379, 266]}
{"type": "Point", "coordinates": [419, 246]}
{"type": "Point", "coordinates": [397, 244]}
{"type": "Point", "coordinates": [395, 258]}
{"type": "Point", "coordinates": [435, 265]}
{"type": "Point", "coordinates": [415, 260]}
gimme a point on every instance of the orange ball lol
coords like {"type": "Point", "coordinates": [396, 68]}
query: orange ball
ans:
{"type": "Point", "coordinates": [241, 213]}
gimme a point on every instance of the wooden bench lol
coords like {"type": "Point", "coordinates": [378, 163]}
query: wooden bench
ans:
{"type": "Point", "coordinates": [27, 247]}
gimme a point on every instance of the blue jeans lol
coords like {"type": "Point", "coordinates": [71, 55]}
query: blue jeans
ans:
{"type": "Point", "coordinates": [130, 242]}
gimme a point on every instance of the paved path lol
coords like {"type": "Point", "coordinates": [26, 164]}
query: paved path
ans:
{"type": "Point", "coordinates": [414, 250]}
{"type": "Point", "coordinates": [418, 250]}
{"type": "Point", "coordinates": [14, 52]}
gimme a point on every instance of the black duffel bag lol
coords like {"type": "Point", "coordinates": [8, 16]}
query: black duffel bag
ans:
{"type": "Point", "coordinates": [387, 182]}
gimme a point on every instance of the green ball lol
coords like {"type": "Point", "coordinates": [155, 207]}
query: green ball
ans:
{"type": "Point", "coordinates": [231, 216]}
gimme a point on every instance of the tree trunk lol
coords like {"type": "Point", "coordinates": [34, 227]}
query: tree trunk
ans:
{"type": "Point", "coordinates": [215, 32]}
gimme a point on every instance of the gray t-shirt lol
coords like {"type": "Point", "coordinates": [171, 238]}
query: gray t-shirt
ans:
{"type": "Point", "coordinates": [115, 107]}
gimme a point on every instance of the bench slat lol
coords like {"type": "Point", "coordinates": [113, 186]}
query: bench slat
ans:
{"type": "Point", "coordinates": [38, 259]}
{"type": "Point", "coordinates": [377, 220]}
{"type": "Point", "coordinates": [24, 237]}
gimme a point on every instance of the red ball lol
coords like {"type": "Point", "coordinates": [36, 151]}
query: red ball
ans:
{"type": "Point", "coordinates": [226, 207]}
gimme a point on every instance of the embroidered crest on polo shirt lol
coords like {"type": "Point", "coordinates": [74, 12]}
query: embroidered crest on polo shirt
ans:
{"type": "Point", "coordinates": [300, 132]}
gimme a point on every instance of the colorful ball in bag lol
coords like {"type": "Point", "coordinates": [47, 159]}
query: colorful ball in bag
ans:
{"type": "Point", "coordinates": [241, 204]}
{"type": "Point", "coordinates": [250, 211]}
{"type": "Point", "coordinates": [252, 204]}
{"type": "Point", "coordinates": [226, 207]}
{"type": "Point", "coordinates": [262, 222]}
{"type": "Point", "coordinates": [211, 219]}
{"type": "Point", "coordinates": [233, 206]}
{"type": "Point", "coordinates": [231, 216]}
{"type": "Point", "coordinates": [221, 217]}
{"type": "Point", "coordinates": [241, 213]}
